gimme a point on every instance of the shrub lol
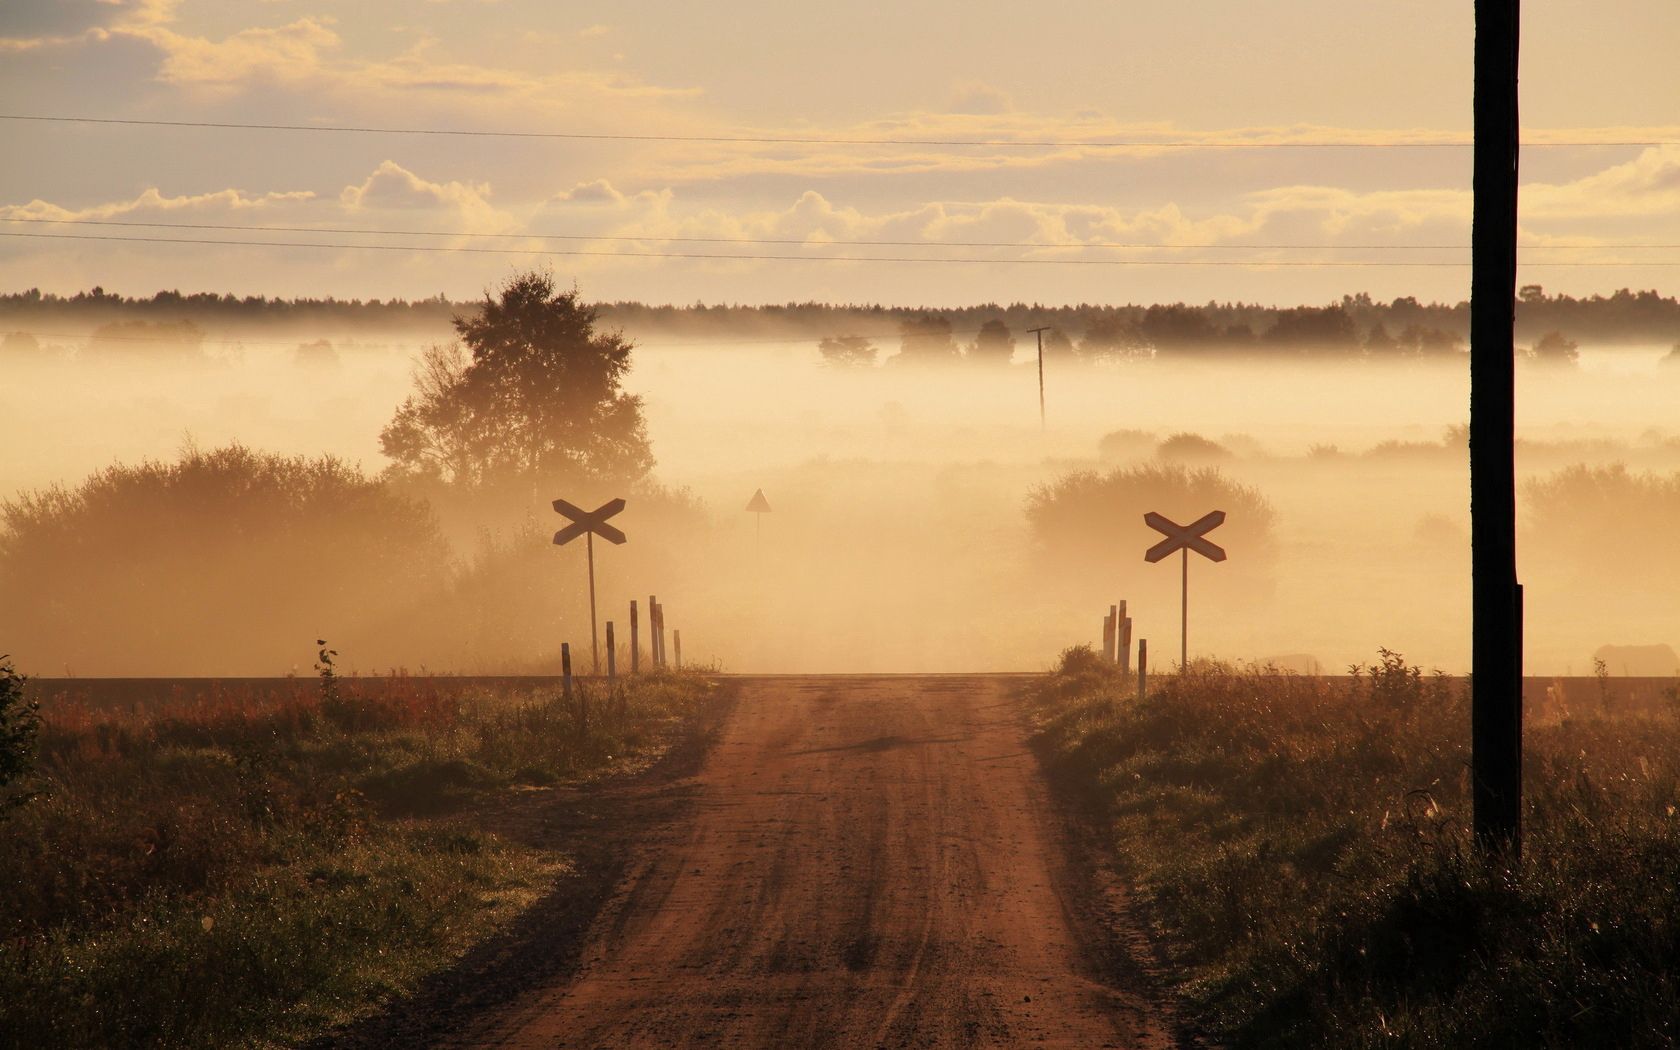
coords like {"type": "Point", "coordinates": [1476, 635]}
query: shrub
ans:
{"type": "Point", "coordinates": [1085, 515]}
{"type": "Point", "coordinates": [20, 724]}
{"type": "Point", "coordinates": [210, 563]}
{"type": "Point", "coordinates": [1606, 520]}
{"type": "Point", "coordinates": [1192, 448]}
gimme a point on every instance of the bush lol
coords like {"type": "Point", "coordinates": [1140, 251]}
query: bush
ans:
{"type": "Point", "coordinates": [211, 563]}
{"type": "Point", "coordinates": [1192, 448]}
{"type": "Point", "coordinates": [1085, 516]}
{"type": "Point", "coordinates": [1607, 520]}
{"type": "Point", "coordinates": [20, 723]}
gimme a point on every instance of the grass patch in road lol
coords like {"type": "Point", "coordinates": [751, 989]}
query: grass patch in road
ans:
{"type": "Point", "coordinates": [1301, 846]}
{"type": "Point", "coordinates": [252, 870]}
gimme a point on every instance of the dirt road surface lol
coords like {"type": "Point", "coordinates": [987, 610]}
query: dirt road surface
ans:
{"type": "Point", "coordinates": [868, 862]}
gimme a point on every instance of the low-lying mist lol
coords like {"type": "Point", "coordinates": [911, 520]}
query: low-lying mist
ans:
{"type": "Point", "coordinates": [899, 537]}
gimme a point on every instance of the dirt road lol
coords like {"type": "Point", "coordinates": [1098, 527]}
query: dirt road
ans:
{"type": "Point", "coordinates": [868, 862]}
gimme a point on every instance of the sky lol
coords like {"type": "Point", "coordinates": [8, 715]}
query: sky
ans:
{"type": "Point", "coordinates": [1374, 79]}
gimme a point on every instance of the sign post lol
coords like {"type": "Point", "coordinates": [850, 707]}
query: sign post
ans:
{"type": "Point", "coordinates": [758, 507]}
{"type": "Point", "coordinates": [589, 524]}
{"type": "Point", "coordinates": [1185, 538]}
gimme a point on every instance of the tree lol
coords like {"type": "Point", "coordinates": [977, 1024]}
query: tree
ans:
{"type": "Point", "coordinates": [926, 339]}
{"type": "Point", "coordinates": [1112, 335]}
{"type": "Point", "coordinates": [853, 351]}
{"type": "Point", "coordinates": [994, 344]}
{"type": "Point", "coordinates": [1555, 348]}
{"type": "Point", "coordinates": [534, 393]}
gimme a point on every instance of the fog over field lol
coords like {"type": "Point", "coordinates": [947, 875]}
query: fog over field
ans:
{"type": "Point", "coordinates": [899, 538]}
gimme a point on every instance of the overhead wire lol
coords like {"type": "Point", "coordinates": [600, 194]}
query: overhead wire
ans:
{"type": "Point", "coordinates": [814, 140]}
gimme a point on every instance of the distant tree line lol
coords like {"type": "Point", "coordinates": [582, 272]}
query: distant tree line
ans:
{"type": "Point", "coordinates": [864, 333]}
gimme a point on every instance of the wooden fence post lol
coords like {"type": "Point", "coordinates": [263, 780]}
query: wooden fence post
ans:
{"type": "Point", "coordinates": [1125, 641]}
{"type": "Point", "coordinates": [635, 642]}
{"type": "Point", "coordinates": [653, 631]}
{"type": "Point", "coordinates": [1143, 668]}
{"type": "Point", "coordinates": [1108, 634]}
{"type": "Point", "coordinates": [612, 654]}
{"type": "Point", "coordinates": [676, 644]}
{"type": "Point", "coordinates": [566, 668]}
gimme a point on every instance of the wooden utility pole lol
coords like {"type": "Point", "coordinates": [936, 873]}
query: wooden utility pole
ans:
{"type": "Point", "coordinates": [1496, 643]}
{"type": "Point", "coordinates": [1040, 333]}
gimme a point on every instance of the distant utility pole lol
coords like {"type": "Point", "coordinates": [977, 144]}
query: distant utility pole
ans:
{"type": "Point", "coordinates": [1040, 333]}
{"type": "Point", "coordinates": [1497, 632]}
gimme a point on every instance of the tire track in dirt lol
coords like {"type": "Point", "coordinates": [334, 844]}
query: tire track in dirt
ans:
{"type": "Point", "coordinates": [867, 862]}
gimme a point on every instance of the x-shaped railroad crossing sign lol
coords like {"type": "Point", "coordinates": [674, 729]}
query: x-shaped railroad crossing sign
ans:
{"type": "Point", "coordinates": [1181, 537]}
{"type": "Point", "coordinates": [589, 521]}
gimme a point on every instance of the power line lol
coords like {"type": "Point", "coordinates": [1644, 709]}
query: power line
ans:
{"type": "Point", "coordinates": [805, 242]}
{"type": "Point", "coordinates": [746, 257]}
{"type": "Point", "coordinates": [643, 238]}
{"type": "Point", "coordinates": [798, 140]}
{"type": "Point", "coordinates": [721, 256]}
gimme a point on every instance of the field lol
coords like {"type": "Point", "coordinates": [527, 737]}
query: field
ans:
{"type": "Point", "coordinates": [245, 866]}
{"type": "Point", "coordinates": [1300, 851]}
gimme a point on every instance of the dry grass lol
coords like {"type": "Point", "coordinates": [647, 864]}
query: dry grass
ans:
{"type": "Point", "coordinates": [247, 868]}
{"type": "Point", "coordinates": [1301, 846]}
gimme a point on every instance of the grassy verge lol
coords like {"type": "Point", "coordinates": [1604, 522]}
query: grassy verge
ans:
{"type": "Point", "coordinates": [1300, 846]}
{"type": "Point", "coordinates": [250, 870]}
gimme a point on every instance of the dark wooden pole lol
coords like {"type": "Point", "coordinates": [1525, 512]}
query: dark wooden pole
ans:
{"type": "Point", "coordinates": [566, 669]}
{"type": "Point", "coordinates": [635, 640]}
{"type": "Point", "coordinates": [1143, 667]}
{"type": "Point", "coordinates": [612, 653]}
{"type": "Point", "coordinates": [1125, 641]}
{"type": "Point", "coordinates": [1496, 643]}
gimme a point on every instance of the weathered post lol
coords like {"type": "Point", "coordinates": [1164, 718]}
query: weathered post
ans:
{"type": "Point", "coordinates": [653, 631]}
{"type": "Point", "coordinates": [635, 642]}
{"type": "Point", "coordinates": [1496, 597]}
{"type": "Point", "coordinates": [1125, 640]}
{"type": "Point", "coordinates": [612, 654]}
{"type": "Point", "coordinates": [1143, 668]}
{"type": "Point", "coordinates": [1108, 634]}
{"type": "Point", "coordinates": [676, 645]}
{"type": "Point", "coordinates": [566, 669]}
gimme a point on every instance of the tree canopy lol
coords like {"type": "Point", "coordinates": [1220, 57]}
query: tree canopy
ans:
{"type": "Point", "coordinates": [531, 390]}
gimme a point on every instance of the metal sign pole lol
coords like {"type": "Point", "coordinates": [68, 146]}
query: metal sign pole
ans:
{"type": "Point", "coordinates": [594, 642]}
{"type": "Point", "coordinates": [1184, 614]}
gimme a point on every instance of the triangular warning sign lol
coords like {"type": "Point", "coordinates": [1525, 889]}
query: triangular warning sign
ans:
{"type": "Point", "coordinates": [758, 504]}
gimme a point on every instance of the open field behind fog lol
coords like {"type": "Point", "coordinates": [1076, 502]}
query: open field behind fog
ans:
{"type": "Point", "coordinates": [898, 539]}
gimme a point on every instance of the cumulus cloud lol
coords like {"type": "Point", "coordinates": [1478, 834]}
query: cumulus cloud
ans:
{"type": "Point", "coordinates": [393, 187]}
{"type": "Point", "coordinates": [153, 202]}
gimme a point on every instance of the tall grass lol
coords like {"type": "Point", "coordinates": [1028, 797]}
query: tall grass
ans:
{"type": "Point", "coordinates": [238, 867]}
{"type": "Point", "coordinates": [1300, 845]}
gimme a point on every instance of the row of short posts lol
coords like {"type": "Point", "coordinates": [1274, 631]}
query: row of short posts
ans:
{"type": "Point", "coordinates": [656, 653]}
{"type": "Point", "coordinates": [1117, 646]}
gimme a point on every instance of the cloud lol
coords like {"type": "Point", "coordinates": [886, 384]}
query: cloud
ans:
{"type": "Point", "coordinates": [294, 53]}
{"type": "Point", "coordinates": [153, 202]}
{"type": "Point", "coordinates": [392, 186]}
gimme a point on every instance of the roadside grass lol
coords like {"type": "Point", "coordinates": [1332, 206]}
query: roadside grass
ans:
{"type": "Point", "coordinates": [1300, 847]}
{"type": "Point", "coordinates": [237, 868]}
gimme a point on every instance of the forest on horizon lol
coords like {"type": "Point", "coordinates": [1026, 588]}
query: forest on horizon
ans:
{"type": "Point", "coordinates": [1356, 324]}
